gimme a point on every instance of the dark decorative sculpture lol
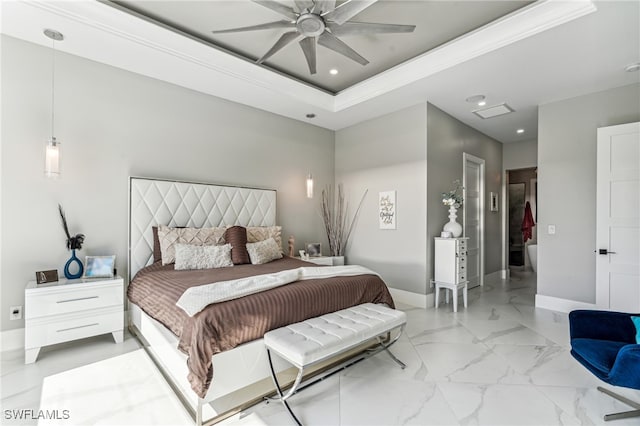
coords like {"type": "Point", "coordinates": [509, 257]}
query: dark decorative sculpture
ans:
{"type": "Point", "coordinates": [73, 243]}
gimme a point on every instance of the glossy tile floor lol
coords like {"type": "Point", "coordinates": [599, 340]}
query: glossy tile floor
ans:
{"type": "Point", "coordinates": [499, 362]}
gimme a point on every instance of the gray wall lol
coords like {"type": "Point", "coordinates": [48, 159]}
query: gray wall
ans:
{"type": "Point", "coordinates": [567, 187]}
{"type": "Point", "coordinates": [520, 155]}
{"type": "Point", "coordinates": [114, 124]}
{"type": "Point", "coordinates": [383, 154]}
{"type": "Point", "coordinates": [417, 152]}
{"type": "Point", "coordinates": [448, 139]}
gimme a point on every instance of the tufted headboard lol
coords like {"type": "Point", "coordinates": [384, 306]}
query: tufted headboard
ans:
{"type": "Point", "coordinates": [155, 202]}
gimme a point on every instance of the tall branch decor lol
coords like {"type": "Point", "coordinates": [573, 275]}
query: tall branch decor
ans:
{"type": "Point", "coordinates": [335, 214]}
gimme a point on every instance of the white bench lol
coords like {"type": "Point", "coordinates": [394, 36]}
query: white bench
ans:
{"type": "Point", "coordinates": [317, 339]}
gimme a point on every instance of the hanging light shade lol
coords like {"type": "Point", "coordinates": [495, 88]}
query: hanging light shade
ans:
{"type": "Point", "coordinates": [52, 150]}
{"type": "Point", "coordinates": [309, 186]}
{"type": "Point", "coordinates": [52, 158]}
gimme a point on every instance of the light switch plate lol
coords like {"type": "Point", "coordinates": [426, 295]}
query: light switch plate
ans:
{"type": "Point", "coordinates": [551, 229]}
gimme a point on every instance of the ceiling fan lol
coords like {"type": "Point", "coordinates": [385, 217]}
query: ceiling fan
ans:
{"type": "Point", "coordinates": [320, 22]}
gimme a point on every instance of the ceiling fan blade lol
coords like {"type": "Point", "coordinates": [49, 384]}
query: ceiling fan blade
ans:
{"type": "Point", "coordinates": [332, 42]}
{"type": "Point", "coordinates": [324, 6]}
{"type": "Point", "coordinates": [304, 4]}
{"type": "Point", "coordinates": [269, 25]}
{"type": "Point", "coordinates": [285, 39]}
{"type": "Point", "coordinates": [308, 46]}
{"type": "Point", "coordinates": [278, 7]}
{"type": "Point", "coordinates": [359, 28]}
{"type": "Point", "coordinates": [347, 10]}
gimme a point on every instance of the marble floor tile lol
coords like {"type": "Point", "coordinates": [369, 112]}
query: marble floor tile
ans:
{"type": "Point", "coordinates": [500, 361]}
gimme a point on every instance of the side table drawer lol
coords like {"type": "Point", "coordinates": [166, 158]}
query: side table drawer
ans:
{"type": "Point", "coordinates": [54, 303]}
{"type": "Point", "coordinates": [41, 332]}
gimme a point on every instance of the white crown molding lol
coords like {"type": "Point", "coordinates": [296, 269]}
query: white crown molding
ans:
{"type": "Point", "coordinates": [105, 34]}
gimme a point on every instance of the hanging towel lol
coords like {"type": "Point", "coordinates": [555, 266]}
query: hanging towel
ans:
{"type": "Point", "coordinates": [527, 223]}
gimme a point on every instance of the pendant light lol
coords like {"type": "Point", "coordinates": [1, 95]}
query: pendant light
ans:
{"type": "Point", "coordinates": [52, 151]}
{"type": "Point", "coordinates": [309, 186]}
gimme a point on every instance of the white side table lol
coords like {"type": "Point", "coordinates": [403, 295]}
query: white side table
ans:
{"type": "Point", "coordinates": [72, 309]}
{"type": "Point", "coordinates": [325, 260]}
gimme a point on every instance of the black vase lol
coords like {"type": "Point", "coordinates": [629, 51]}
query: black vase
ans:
{"type": "Point", "coordinates": [70, 262]}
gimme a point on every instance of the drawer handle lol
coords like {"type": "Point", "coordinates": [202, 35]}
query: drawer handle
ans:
{"type": "Point", "coordinates": [74, 328]}
{"type": "Point", "coordinates": [75, 300]}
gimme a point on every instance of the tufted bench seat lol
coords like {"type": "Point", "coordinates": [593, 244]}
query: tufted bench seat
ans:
{"type": "Point", "coordinates": [317, 339]}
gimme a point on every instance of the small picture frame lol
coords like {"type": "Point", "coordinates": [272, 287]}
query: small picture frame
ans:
{"type": "Point", "coordinates": [314, 249]}
{"type": "Point", "coordinates": [494, 202]}
{"type": "Point", "coordinates": [99, 266]}
{"type": "Point", "coordinates": [44, 277]}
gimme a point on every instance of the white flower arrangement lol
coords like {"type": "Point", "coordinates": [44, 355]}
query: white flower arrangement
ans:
{"type": "Point", "coordinates": [453, 197]}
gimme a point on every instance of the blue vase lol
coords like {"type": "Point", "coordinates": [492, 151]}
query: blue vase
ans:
{"type": "Point", "coordinates": [73, 260]}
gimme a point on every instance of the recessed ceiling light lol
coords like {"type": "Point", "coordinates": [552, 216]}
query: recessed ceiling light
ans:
{"type": "Point", "coordinates": [632, 67]}
{"type": "Point", "coordinates": [520, 131]}
{"type": "Point", "coordinates": [333, 71]}
{"type": "Point", "coordinates": [482, 103]}
{"type": "Point", "coordinates": [476, 99]}
{"type": "Point", "coordinates": [311, 115]}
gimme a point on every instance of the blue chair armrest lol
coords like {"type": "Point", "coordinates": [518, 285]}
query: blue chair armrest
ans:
{"type": "Point", "coordinates": [626, 369]}
{"type": "Point", "coordinates": [602, 325]}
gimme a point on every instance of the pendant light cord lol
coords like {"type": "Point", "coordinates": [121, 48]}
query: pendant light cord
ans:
{"type": "Point", "coordinates": [53, 76]}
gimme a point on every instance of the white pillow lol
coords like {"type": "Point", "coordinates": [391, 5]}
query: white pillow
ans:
{"type": "Point", "coordinates": [189, 256]}
{"type": "Point", "coordinates": [264, 251]}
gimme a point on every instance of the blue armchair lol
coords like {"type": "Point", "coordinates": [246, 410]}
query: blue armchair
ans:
{"type": "Point", "coordinates": [605, 343]}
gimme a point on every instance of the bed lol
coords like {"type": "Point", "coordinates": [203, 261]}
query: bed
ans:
{"type": "Point", "coordinates": [225, 337]}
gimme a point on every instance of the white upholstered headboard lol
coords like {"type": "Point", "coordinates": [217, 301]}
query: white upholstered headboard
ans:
{"type": "Point", "coordinates": [155, 202]}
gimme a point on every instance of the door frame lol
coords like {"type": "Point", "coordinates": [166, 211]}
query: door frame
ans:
{"type": "Point", "coordinates": [481, 163]}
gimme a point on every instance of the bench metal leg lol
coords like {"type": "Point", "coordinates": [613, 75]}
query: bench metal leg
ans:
{"type": "Point", "coordinates": [387, 345]}
{"type": "Point", "coordinates": [625, 414]}
{"type": "Point", "coordinates": [283, 398]}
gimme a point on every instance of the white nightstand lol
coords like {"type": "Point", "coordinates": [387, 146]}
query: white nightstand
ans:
{"type": "Point", "coordinates": [325, 260]}
{"type": "Point", "coordinates": [71, 309]}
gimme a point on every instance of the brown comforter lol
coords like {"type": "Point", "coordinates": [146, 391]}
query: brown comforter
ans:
{"type": "Point", "coordinates": [222, 326]}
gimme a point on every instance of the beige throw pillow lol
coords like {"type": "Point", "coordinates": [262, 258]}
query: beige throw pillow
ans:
{"type": "Point", "coordinates": [190, 256]}
{"type": "Point", "coordinates": [169, 237]}
{"type": "Point", "coordinates": [262, 233]}
{"type": "Point", "coordinates": [264, 251]}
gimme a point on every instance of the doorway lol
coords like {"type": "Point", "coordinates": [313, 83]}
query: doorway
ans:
{"type": "Point", "coordinates": [522, 188]}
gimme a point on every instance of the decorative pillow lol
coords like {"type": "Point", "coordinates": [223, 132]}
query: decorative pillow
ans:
{"type": "Point", "coordinates": [168, 237]}
{"type": "Point", "coordinates": [189, 256]}
{"type": "Point", "coordinates": [636, 322]}
{"type": "Point", "coordinates": [237, 237]}
{"type": "Point", "coordinates": [262, 233]}
{"type": "Point", "coordinates": [157, 253]}
{"type": "Point", "coordinates": [264, 251]}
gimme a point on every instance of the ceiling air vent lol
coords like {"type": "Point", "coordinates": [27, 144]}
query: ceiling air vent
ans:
{"type": "Point", "coordinates": [493, 111]}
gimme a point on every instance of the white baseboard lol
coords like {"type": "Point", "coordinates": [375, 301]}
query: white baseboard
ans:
{"type": "Point", "coordinates": [410, 298]}
{"type": "Point", "coordinates": [12, 339]}
{"type": "Point", "coordinates": [505, 274]}
{"type": "Point", "coordinates": [496, 276]}
{"type": "Point", "coordinates": [561, 305]}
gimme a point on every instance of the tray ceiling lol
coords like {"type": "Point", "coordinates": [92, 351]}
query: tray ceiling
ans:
{"type": "Point", "coordinates": [437, 22]}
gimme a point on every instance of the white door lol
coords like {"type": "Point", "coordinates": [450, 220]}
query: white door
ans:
{"type": "Point", "coordinates": [618, 218]}
{"type": "Point", "coordinates": [473, 219]}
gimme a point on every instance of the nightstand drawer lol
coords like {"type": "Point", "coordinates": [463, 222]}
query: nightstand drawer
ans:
{"type": "Point", "coordinates": [40, 332]}
{"type": "Point", "coordinates": [76, 300]}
